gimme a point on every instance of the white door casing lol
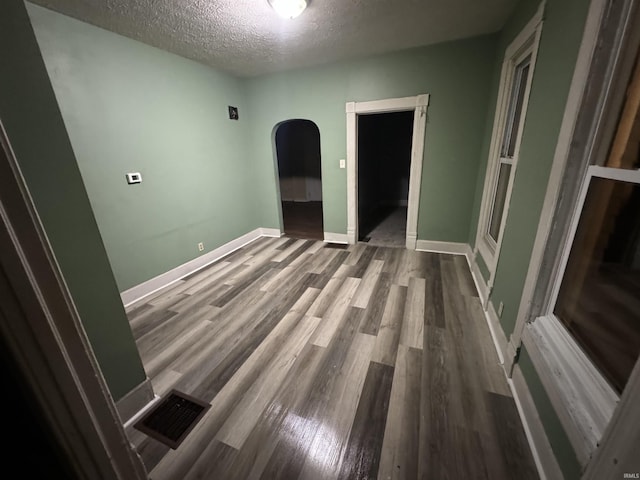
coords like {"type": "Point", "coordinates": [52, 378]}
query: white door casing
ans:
{"type": "Point", "coordinates": [418, 105]}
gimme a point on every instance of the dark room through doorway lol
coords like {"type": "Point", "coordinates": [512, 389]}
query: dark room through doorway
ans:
{"type": "Point", "coordinates": [300, 177]}
{"type": "Point", "coordinates": [384, 164]}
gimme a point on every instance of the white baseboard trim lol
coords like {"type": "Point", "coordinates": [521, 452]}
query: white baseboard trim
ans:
{"type": "Point", "coordinates": [481, 284]}
{"type": "Point", "coordinates": [499, 338]}
{"type": "Point", "coordinates": [133, 401]}
{"type": "Point", "coordinates": [543, 455]}
{"type": "Point", "coordinates": [336, 237]}
{"type": "Point", "coordinates": [163, 280]}
{"type": "Point", "coordinates": [452, 248]}
{"type": "Point", "coordinates": [412, 241]}
{"type": "Point", "coordinates": [138, 415]}
{"type": "Point", "coordinates": [270, 232]}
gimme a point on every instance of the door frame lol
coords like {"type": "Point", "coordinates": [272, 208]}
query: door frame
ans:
{"type": "Point", "coordinates": [45, 336]}
{"type": "Point", "coordinates": [418, 105]}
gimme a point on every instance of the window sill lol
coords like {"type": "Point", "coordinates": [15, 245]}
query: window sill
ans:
{"type": "Point", "coordinates": [581, 397]}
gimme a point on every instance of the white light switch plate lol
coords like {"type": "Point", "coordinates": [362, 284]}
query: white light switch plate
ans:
{"type": "Point", "coordinates": [135, 177]}
{"type": "Point", "coordinates": [343, 163]}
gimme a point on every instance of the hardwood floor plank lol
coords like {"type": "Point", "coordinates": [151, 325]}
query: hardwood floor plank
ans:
{"type": "Point", "coordinates": [400, 453]}
{"type": "Point", "coordinates": [413, 321]}
{"type": "Point", "coordinates": [514, 448]}
{"type": "Point", "coordinates": [376, 306]}
{"type": "Point", "coordinates": [154, 363]}
{"type": "Point", "coordinates": [362, 456]}
{"type": "Point", "coordinates": [164, 381]}
{"type": "Point", "coordinates": [363, 262]}
{"type": "Point", "coordinates": [354, 362]}
{"type": "Point", "coordinates": [326, 298]}
{"type": "Point", "coordinates": [329, 443]}
{"type": "Point", "coordinates": [158, 339]}
{"type": "Point", "coordinates": [280, 422]}
{"type": "Point", "coordinates": [335, 313]}
{"type": "Point", "coordinates": [141, 329]}
{"type": "Point", "coordinates": [465, 279]}
{"type": "Point", "coordinates": [292, 252]}
{"type": "Point", "coordinates": [234, 380]}
{"type": "Point", "coordinates": [245, 416]}
{"type": "Point", "coordinates": [388, 338]}
{"type": "Point", "coordinates": [243, 282]}
{"type": "Point", "coordinates": [330, 269]}
{"type": "Point", "coordinates": [435, 406]}
{"type": "Point", "coordinates": [434, 307]}
{"type": "Point", "coordinates": [288, 456]}
{"type": "Point", "coordinates": [368, 283]}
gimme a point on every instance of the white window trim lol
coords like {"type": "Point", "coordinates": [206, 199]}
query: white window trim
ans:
{"type": "Point", "coordinates": [615, 25]}
{"type": "Point", "coordinates": [418, 105]}
{"type": "Point", "coordinates": [526, 43]}
{"type": "Point", "coordinates": [580, 394]}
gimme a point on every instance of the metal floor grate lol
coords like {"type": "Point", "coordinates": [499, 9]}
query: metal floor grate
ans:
{"type": "Point", "coordinates": [341, 246]}
{"type": "Point", "coordinates": [173, 418]}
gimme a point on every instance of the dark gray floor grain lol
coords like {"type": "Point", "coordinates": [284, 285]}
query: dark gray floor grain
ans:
{"type": "Point", "coordinates": [310, 359]}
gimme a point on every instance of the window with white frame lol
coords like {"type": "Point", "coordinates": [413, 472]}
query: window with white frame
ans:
{"type": "Point", "coordinates": [511, 109]}
{"type": "Point", "coordinates": [586, 341]}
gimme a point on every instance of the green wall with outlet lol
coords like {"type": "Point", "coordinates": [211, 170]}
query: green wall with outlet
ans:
{"type": "Point", "coordinates": [561, 36]}
{"type": "Point", "coordinates": [129, 107]}
{"type": "Point", "coordinates": [456, 75]}
{"type": "Point", "coordinates": [35, 129]}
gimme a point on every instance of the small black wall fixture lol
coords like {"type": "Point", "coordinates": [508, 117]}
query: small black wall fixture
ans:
{"type": "Point", "coordinates": [233, 113]}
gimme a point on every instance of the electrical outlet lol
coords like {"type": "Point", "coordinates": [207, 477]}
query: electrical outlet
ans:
{"type": "Point", "coordinates": [343, 163]}
{"type": "Point", "coordinates": [200, 247]}
{"type": "Point", "coordinates": [500, 309]}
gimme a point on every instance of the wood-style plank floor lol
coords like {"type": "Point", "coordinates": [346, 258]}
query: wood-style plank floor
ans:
{"type": "Point", "coordinates": [330, 363]}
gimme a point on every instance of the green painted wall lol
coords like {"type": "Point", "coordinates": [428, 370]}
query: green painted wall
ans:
{"type": "Point", "coordinates": [31, 118]}
{"type": "Point", "coordinates": [555, 433]}
{"type": "Point", "coordinates": [457, 75]}
{"type": "Point", "coordinates": [561, 36]}
{"type": "Point", "coordinates": [129, 107]}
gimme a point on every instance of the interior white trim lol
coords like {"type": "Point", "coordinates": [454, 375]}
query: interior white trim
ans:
{"type": "Point", "coordinates": [481, 284]}
{"type": "Point", "coordinates": [497, 333]}
{"type": "Point", "coordinates": [138, 415]}
{"type": "Point", "coordinates": [163, 280]}
{"type": "Point", "coordinates": [270, 232]}
{"type": "Point", "coordinates": [418, 105]}
{"type": "Point", "coordinates": [543, 455]}
{"type": "Point", "coordinates": [561, 154]}
{"type": "Point", "coordinates": [526, 43]}
{"type": "Point", "coordinates": [581, 397]}
{"type": "Point", "coordinates": [45, 336]}
{"type": "Point", "coordinates": [453, 248]}
{"type": "Point", "coordinates": [136, 399]}
{"type": "Point", "coordinates": [336, 237]}
{"type": "Point", "coordinates": [618, 451]}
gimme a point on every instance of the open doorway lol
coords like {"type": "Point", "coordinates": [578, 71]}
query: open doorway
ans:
{"type": "Point", "coordinates": [384, 163]}
{"type": "Point", "coordinates": [418, 107]}
{"type": "Point", "coordinates": [300, 176]}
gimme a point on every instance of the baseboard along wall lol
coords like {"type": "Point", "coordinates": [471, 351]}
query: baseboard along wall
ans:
{"type": "Point", "coordinates": [154, 284]}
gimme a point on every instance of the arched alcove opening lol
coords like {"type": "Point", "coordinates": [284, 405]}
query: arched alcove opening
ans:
{"type": "Point", "coordinates": [297, 144]}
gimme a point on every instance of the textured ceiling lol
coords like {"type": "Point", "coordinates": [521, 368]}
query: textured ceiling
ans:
{"type": "Point", "coordinates": [247, 38]}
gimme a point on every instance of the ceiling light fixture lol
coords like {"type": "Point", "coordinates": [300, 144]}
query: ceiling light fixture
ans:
{"type": "Point", "coordinates": [288, 8]}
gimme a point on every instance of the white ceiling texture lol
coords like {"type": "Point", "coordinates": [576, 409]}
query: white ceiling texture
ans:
{"type": "Point", "coordinates": [247, 38]}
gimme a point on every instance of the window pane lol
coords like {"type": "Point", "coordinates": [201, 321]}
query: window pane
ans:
{"type": "Point", "coordinates": [499, 200]}
{"type": "Point", "coordinates": [516, 102]}
{"type": "Point", "coordinates": [599, 300]}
